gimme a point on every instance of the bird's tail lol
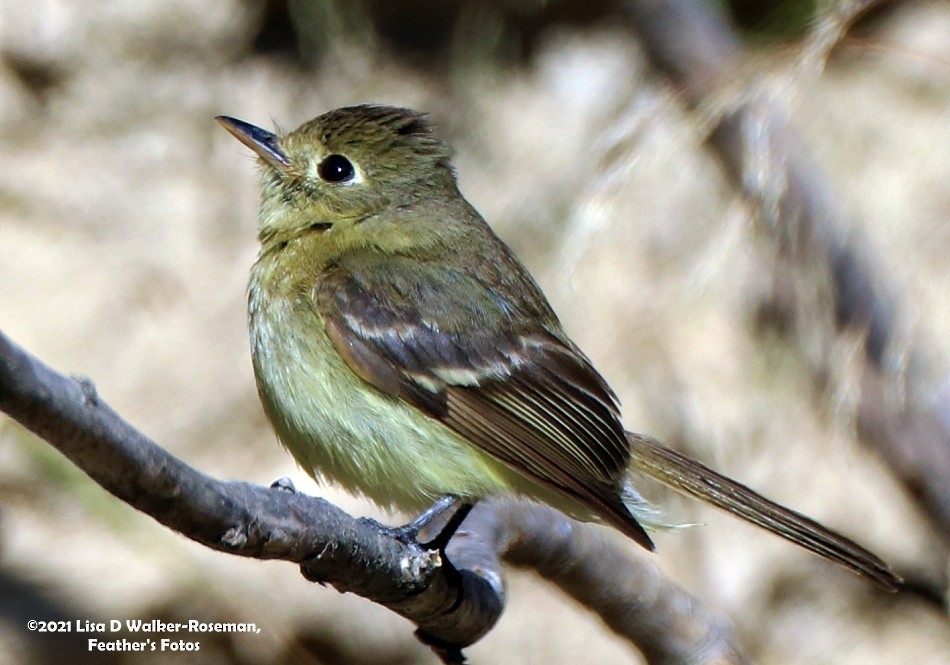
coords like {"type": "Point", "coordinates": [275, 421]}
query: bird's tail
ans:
{"type": "Point", "coordinates": [690, 477]}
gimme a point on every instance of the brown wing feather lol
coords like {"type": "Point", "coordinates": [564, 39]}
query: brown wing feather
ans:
{"type": "Point", "coordinates": [514, 389]}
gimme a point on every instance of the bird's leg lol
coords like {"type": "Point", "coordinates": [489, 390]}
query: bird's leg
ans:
{"type": "Point", "coordinates": [431, 529]}
{"type": "Point", "coordinates": [439, 522]}
{"type": "Point", "coordinates": [435, 526]}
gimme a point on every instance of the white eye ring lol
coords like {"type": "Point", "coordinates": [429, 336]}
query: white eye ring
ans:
{"type": "Point", "coordinates": [337, 169]}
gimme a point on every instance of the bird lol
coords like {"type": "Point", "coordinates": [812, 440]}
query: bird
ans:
{"type": "Point", "coordinates": [404, 353]}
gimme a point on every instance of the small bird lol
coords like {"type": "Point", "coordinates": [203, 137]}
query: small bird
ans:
{"type": "Point", "coordinates": [403, 352]}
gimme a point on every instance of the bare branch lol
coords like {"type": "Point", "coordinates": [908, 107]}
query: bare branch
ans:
{"type": "Point", "coordinates": [454, 599]}
{"type": "Point", "coordinates": [904, 411]}
{"type": "Point", "coordinates": [245, 519]}
{"type": "Point", "coordinates": [639, 602]}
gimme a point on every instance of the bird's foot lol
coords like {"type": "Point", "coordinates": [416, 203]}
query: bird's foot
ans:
{"type": "Point", "coordinates": [434, 527]}
{"type": "Point", "coordinates": [284, 484]}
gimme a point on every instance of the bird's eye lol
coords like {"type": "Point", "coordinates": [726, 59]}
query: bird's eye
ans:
{"type": "Point", "coordinates": [336, 168]}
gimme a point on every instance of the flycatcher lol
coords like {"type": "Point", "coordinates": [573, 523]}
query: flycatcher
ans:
{"type": "Point", "coordinates": [403, 352]}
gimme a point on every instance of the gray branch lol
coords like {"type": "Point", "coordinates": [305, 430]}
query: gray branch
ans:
{"type": "Point", "coordinates": [241, 518]}
{"type": "Point", "coordinates": [454, 599]}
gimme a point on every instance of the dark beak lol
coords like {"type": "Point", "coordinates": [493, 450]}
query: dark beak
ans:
{"type": "Point", "coordinates": [259, 140]}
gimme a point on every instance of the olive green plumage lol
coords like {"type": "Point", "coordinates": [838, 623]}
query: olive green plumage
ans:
{"type": "Point", "coordinates": [403, 352]}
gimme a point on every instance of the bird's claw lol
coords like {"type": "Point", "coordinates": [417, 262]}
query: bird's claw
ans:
{"type": "Point", "coordinates": [434, 527]}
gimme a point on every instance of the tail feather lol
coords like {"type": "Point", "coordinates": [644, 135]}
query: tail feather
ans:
{"type": "Point", "coordinates": [690, 477]}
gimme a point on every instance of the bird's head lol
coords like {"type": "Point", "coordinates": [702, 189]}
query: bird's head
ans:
{"type": "Point", "coordinates": [344, 167]}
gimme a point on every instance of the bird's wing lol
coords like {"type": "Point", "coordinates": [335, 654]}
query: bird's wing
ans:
{"type": "Point", "coordinates": [460, 351]}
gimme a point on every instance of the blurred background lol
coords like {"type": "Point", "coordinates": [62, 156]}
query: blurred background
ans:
{"type": "Point", "coordinates": [127, 228]}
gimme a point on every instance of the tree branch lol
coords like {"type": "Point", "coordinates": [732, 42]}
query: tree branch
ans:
{"type": "Point", "coordinates": [454, 599]}
{"type": "Point", "coordinates": [631, 595]}
{"type": "Point", "coordinates": [236, 517]}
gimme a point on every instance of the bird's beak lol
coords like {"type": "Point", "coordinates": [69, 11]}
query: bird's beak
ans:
{"type": "Point", "coordinates": [259, 140]}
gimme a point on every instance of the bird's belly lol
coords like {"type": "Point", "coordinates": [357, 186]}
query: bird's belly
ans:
{"type": "Point", "coordinates": [342, 429]}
